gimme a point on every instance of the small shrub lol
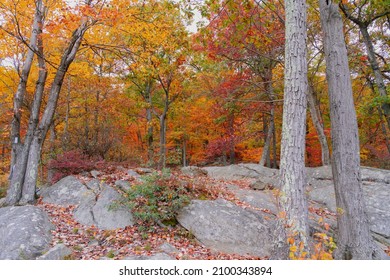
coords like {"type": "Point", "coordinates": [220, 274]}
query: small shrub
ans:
{"type": "Point", "coordinates": [111, 254]}
{"type": "Point", "coordinates": [157, 199]}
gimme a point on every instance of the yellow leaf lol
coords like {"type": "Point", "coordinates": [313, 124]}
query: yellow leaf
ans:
{"type": "Point", "coordinates": [293, 249]}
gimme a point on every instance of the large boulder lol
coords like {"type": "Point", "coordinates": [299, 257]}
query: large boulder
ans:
{"type": "Point", "coordinates": [67, 191]}
{"type": "Point", "coordinates": [193, 171]}
{"type": "Point", "coordinates": [225, 227]}
{"type": "Point", "coordinates": [25, 232]}
{"type": "Point", "coordinates": [240, 171]}
{"type": "Point", "coordinates": [377, 204]}
{"type": "Point", "coordinates": [99, 210]}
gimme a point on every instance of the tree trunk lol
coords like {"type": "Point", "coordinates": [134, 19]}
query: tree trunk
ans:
{"type": "Point", "coordinates": [265, 157]}
{"type": "Point", "coordinates": [65, 137]}
{"type": "Point", "coordinates": [184, 152]}
{"type": "Point", "coordinates": [354, 237]}
{"type": "Point", "coordinates": [232, 152]}
{"type": "Point", "coordinates": [149, 120]}
{"type": "Point", "coordinates": [163, 133]}
{"type": "Point", "coordinates": [318, 126]}
{"type": "Point", "coordinates": [292, 167]}
{"type": "Point", "coordinates": [24, 177]}
{"type": "Point", "coordinates": [275, 164]}
{"type": "Point", "coordinates": [21, 90]}
{"type": "Point", "coordinates": [53, 135]}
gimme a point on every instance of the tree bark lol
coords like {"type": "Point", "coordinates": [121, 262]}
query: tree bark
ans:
{"type": "Point", "coordinates": [354, 237]}
{"type": "Point", "coordinates": [292, 167]}
{"type": "Point", "coordinates": [265, 157]}
{"type": "Point", "coordinates": [149, 120]}
{"type": "Point", "coordinates": [21, 90]}
{"type": "Point", "coordinates": [20, 151]}
{"type": "Point", "coordinates": [23, 181]}
{"type": "Point", "coordinates": [163, 141]}
{"type": "Point", "coordinates": [65, 137]}
{"type": "Point", "coordinates": [318, 126]}
{"type": "Point", "coordinates": [184, 151]}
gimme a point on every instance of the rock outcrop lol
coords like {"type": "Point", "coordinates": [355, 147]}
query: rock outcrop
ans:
{"type": "Point", "coordinates": [25, 232]}
{"type": "Point", "coordinates": [225, 227]}
{"type": "Point", "coordinates": [99, 210]}
{"type": "Point", "coordinates": [67, 191]}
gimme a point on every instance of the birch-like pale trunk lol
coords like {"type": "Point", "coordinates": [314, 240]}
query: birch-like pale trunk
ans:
{"type": "Point", "coordinates": [23, 181]}
{"type": "Point", "coordinates": [294, 216]}
{"type": "Point", "coordinates": [354, 240]}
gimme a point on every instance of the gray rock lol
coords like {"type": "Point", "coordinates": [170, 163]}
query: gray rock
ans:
{"type": "Point", "coordinates": [377, 197]}
{"type": "Point", "coordinates": [132, 173]}
{"type": "Point", "coordinates": [258, 199]}
{"type": "Point", "coordinates": [67, 191]}
{"type": "Point", "coordinates": [95, 185]}
{"type": "Point", "coordinates": [369, 174]}
{"type": "Point", "coordinates": [123, 185]}
{"type": "Point", "coordinates": [58, 252]}
{"type": "Point", "coordinates": [258, 184]}
{"type": "Point", "coordinates": [168, 248]}
{"type": "Point", "coordinates": [108, 217]}
{"type": "Point", "coordinates": [25, 232]}
{"type": "Point", "coordinates": [99, 211]}
{"type": "Point", "coordinates": [95, 173]}
{"type": "Point", "coordinates": [158, 256]}
{"type": "Point", "coordinates": [193, 171]}
{"type": "Point", "coordinates": [325, 195]}
{"type": "Point", "coordinates": [225, 227]}
{"type": "Point", "coordinates": [263, 183]}
{"type": "Point", "coordinates": [375, 175]}
{"type": "Point", "coordinates": [239, 171]}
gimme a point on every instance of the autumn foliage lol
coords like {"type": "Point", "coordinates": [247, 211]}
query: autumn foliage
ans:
{"type": "Point", "coordinates": [140, 64]}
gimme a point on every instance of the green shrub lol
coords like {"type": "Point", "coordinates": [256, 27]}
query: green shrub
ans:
{"type": "Point", "coordinates": [157, 199]}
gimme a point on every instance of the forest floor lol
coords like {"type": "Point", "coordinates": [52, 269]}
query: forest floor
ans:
{"type": "Point", "coordinates": [90, 243]}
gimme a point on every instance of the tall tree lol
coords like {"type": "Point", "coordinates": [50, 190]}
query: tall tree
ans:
{"type": "Point", "coordinates": [292, 167]}
{"type": "Point", "coordinates": [26, 154]}
{"type": "Point", "coordinates": [354, 237]}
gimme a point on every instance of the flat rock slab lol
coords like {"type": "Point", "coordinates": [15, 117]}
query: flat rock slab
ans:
{"type": "Point", "coordinates": [239, 171]}
{"type": "Point", "coordinates": [99, 211]}
{"type": "Point", "coordinates": [58, 252]}
{"type": "Point", "coordinates": [25, 232]}
{"type": "Point", "coordinates": [258, 199]}
{"type": "Point", "coordinates": [158, 256]}
{"type": "Point", "coordinates": [225, 227]}
{"type": "Point", "coordinates": [377, 197]}
{"type": "Point", "coordinates": [369, 174]}
{"type": "Point", "coordinates": [67, 191]}
{"type": "Point", "coordinates": [193, 171]}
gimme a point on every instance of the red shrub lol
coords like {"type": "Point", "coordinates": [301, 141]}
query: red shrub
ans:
{"type": "Point", "coordinates": [70, 163]}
